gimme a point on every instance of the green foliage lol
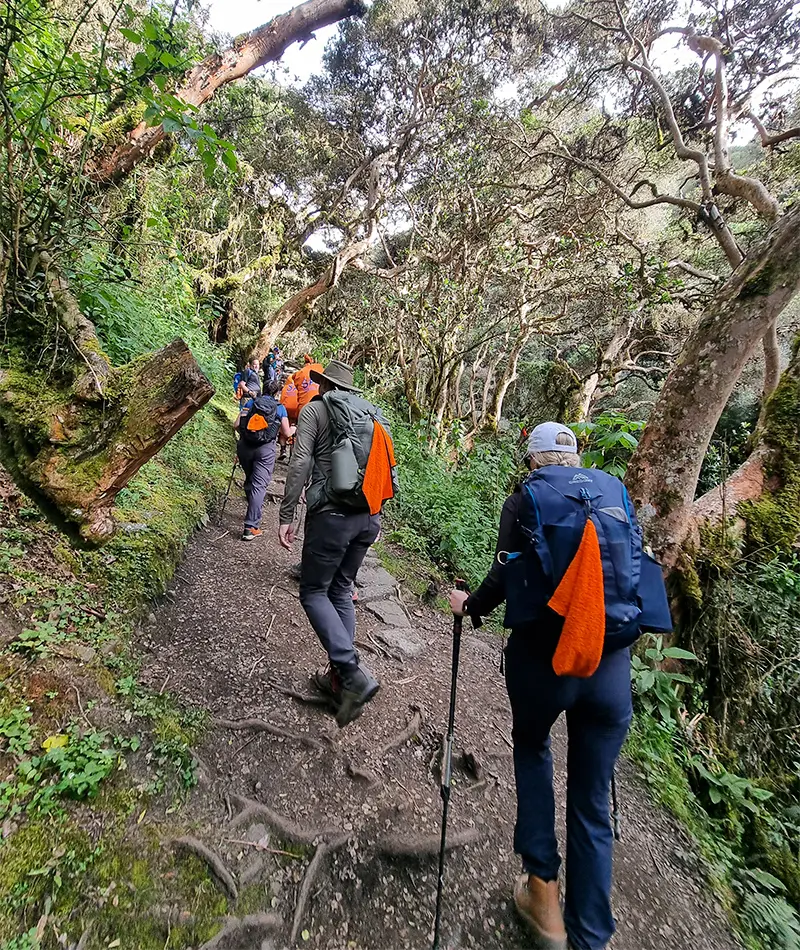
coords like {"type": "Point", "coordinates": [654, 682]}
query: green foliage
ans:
{"type": "Point", "coordinates": [656, 688]}
{"type": "Point", "coordinates": [451, 506]}
{"type": "Point", "coordinates": [71, 768]}
{"type": "Point", "coordinates": [175, 730]}
{"type": "Point", "coordinates": [16, 733]}
{"type": "Point", "coordinates": [609, 442]}
{"type": "Point", "coordinates": [134, 318]}
{"type": "Point", "coordinates": [770, 916]}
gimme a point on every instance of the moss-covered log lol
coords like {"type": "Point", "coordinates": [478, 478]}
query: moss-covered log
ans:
{"type": "Point", "coordinates": [74, 444]}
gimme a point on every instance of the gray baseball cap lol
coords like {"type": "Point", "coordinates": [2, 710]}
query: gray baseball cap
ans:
{"type": "Point", "coordinates": [544, 438]}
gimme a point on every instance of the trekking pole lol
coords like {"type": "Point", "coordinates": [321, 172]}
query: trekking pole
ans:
{"type": "Point", "coordinates": [615, 816]}
{"type": "Point", "coordinates": [447, 765]}
{"type": "Point", "coordinates": [228, 490]}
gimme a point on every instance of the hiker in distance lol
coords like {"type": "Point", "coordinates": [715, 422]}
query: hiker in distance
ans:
{"type": "Point", "coordinates": [258, 425]}
{"type": "Point", "coordinates": [578, 589]}
{"type": "Point", "coordinates": [344, 458]}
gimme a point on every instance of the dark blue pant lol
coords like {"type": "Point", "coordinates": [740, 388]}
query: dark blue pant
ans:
{"type": "Point", "coordinates": [258, 464]}
{"type": "Point", "coordinates": [598, 716]}
{"type": "Point", "coordinates": [333, 550]}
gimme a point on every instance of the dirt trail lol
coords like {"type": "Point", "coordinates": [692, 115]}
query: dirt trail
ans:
{"type": "Point", "coordinates": [360, 807]}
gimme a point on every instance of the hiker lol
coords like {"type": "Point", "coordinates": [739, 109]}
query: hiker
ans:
{"type": "Point", "coordinates": [247, 383]}
{"type": "Point", "coordinates": [304, 380]}
{"type": "Point", "coordinates": [273, 364]}
{"type": "Point", "coordinates": [563, 535]}
{"type": "Point", "coordinates": [347, 478]}
{"type": "Point", "coordinates": [260, 421]}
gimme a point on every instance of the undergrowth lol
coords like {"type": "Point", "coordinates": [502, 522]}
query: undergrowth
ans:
{"type": "Point", "coordinates": [63, 781]}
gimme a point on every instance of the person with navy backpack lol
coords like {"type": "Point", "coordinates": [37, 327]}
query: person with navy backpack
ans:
{"type": "Point", "coordinates": [260, 421]}
{"type": "Point", "coordinates": [578, 589]}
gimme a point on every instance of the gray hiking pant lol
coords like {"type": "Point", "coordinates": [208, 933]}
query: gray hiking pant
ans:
{"type": "Point", "coordinates": [258, 464]}
{"type": "Point", "coordinates": [334, 548]}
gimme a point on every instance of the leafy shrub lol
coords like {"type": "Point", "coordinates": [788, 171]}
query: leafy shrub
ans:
{"type": "Point", "coordinates": [452, 502]}
{"type": "Point", "coordinates": [609, 442]}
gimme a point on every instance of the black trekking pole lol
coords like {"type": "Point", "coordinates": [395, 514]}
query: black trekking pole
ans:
{"type": "Point", "coordinates": [447, 765]}
{"type": "Point", "coordinates": [228, 490]}
{"type": "Point", "coordinates": [616, 821]}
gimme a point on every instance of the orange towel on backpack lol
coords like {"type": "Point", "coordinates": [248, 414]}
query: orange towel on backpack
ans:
{"type": "Point", "coordinates": [580, 600]}
{"type": "Point", "coordinates": [377, 485]}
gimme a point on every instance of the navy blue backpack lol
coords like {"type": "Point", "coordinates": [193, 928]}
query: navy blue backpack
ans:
{"type": "Point", "coordinates": [556, 503]}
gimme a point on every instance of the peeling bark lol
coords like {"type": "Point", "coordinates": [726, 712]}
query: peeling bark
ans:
{"type": "Point", "coordinates": [264, 45]}
{"type": "Point", "coordinates": [663, 473]}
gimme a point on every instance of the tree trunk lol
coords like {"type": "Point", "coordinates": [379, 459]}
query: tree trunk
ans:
{"type": "Point", "coordinates": [265, 44]}
{"type": "Point", "coordinates": [291, 315]}
{"type": "Point", "coordinates": [663, 473]}
{"type": "Point", "coordinates": [772, 362]}
{"type": "Point", "coordinates": [773, 463]}
{"type": "Point", "coordinates": [75, 455]}
{"type": "Point", "coordinates": [611, 353]}
{"type": "Point", "coordinates": [507, 377]}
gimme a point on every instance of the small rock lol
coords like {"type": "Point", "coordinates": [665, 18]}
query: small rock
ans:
{"type": "Point", "coordinates": [75, 651]}
{"type": "Point", "coordinates": [389, 612]}
{"type": "Point", "coordinates": [402, 640]}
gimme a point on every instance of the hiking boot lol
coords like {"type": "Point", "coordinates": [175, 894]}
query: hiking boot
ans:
{"type": "Point", "coordinates": [326, 681]}
{"type": "Point", "coordinates": [250, 534]}
{"type": "Point", "coordinates": [537, 903]}
{"type": "Point", "coordinates": [282, 456]}
{"type": "Point", "coordinates": [358, 687]}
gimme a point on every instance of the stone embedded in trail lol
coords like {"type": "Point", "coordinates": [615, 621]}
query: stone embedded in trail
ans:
{"type": "Point", "coordinates": [370, 575]}
{"type": "Point", "coordinates": [374, 583]}
{"type": "Point", "coordinates": [389, 612]}
{"type": "Point", "coordinates": [402, 640]}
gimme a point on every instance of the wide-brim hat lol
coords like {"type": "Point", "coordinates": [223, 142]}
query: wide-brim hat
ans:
{"type": "Point", "coordinates": [337, 373]}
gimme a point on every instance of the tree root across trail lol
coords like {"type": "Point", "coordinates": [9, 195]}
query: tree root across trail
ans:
{"type": "Point", "coordinates": [327, 837]}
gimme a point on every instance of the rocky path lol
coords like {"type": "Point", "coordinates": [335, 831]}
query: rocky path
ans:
{"type": "Point", "coordinates": [327, 838]}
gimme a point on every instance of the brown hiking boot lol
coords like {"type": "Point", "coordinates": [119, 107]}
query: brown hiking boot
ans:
{"type": "Point", "coordinates": [537, 903]}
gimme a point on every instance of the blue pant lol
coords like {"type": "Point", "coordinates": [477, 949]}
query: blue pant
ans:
{"type": "Point", "coordinates": [258, 464]}
{"type": "Point", "coordinates": [334, 548]}
{"type": "Point", "coordinates": [598, 716]}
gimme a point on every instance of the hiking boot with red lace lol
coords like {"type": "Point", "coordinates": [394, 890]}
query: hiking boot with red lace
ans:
{"type": "Point", "coordinates": [358, 687]}
{"type": "Point", "coordinates": [326, 681]}
{"type": "Point", "coordinates": [250, 534]}
{"type": "Point", "coordinates": [537, 903]}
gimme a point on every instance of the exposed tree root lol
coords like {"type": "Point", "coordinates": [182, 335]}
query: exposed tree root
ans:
{"type": "Point", "coordinates": [313, 869]}
{"type": "Point", "coordinates": [215, 864]}
{"type": "Point", "coordinates": [239, 926]}
{"type": "Point", "coordinates": [401, 738]}
{"type": "Point", "coordinates": [363, 775]}
{"type": "Point", "coordinates": [262, 726]}
{"type": "Point", "coordinates": [308, 698]}
{"type": "Point", "coordinates": [284, 827]}
{"type": "Point", "coordinates": [425, 847]}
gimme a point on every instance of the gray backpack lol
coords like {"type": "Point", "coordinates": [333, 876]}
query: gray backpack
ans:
{"type": "Point", "coordinates": [351, 421]}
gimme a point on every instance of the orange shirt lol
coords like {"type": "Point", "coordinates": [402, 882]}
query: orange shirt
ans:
{"type": "Point", "coordinates": [289, 399]}
{"type": "Point", "coordinates": [306, 387]}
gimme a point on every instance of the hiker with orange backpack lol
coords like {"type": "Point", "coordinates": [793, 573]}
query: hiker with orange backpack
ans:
{"type": "Point", "coordinates": [344, 458]}
{"type": "Point", "coordinates": [258, 425]}
{"type": "Point", "coordinates": [578, 589]}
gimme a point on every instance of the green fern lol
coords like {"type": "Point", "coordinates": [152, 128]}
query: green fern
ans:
{"type": "Point", "coordinates": [773, 919]}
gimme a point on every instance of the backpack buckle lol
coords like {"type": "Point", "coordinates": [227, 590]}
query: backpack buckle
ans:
{"type": "Point", "coordinates": [587, 500]}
